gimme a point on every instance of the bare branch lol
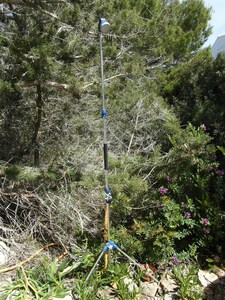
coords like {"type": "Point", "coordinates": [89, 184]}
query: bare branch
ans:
{"type": "Point", "coordinates": [25, 3]}
{"type": "Point", "coordinates": [106, 80]}
{"type": "Point", "coordinates": [60, 86]}
{"type": "Point", "coordinates": [49, 14]}
{"type": "Point", "coordinates": [135, 126]}
{"type": "Point", "coordinates": [149, 174]}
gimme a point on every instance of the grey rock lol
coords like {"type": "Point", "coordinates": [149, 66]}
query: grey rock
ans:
{"type": "Point", "coordinates": [149, 289]}
{"type": "Point", "coordinates": [206, 277]}
{"type": "Point", "coordinates": [4, 253]}
{"type": "Point", "coordinates": [168, 283]}
{"type": "Point", "coordinates": [107, 293]}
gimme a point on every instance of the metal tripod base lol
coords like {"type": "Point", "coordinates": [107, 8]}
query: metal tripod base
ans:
{"type": "Point", "coordinates": [109, 246]}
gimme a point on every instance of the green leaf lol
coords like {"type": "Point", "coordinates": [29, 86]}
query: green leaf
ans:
{"type": "Point", "coordinates": [69, 269]}
{"type": "Point", "coordinates": [222, 149]}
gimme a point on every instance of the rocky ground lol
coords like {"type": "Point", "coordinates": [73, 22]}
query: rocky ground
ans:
{"type": "Point", "coordinates": [211, 282]}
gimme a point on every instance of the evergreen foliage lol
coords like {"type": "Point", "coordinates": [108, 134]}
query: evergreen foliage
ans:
{"type": "Point", "coordinates": [200, 100]}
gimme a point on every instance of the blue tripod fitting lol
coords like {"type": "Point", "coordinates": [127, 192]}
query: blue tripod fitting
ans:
{"type": "Point", "coordinates": [109, 246]}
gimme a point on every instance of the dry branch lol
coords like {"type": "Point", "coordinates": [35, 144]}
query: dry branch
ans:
{"type": "Point", "coordinates": [29, 258]}
{"type": "Point", "coordinates": [61, 86]}
{"type": "Point", "coordinates": [25, 3]}
{"type": "Point", "coordinates": [57, 85]}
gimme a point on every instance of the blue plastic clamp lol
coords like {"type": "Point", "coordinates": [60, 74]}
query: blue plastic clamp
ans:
{"type": "Point", "coordinates": [104, 113]}
{"type": "Point", "coordinates": [109, 245]}
{"type": "Point", "coordinates": [107, 190]}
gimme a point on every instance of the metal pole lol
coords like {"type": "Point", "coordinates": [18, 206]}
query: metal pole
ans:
{"type": "Point", "coordinates": [104, 120]}
{"type": "Point", "coordinates": [105, 150]}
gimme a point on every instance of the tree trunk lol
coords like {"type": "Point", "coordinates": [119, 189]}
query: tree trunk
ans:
{"type": "Point", "coordinates": [35, 138]}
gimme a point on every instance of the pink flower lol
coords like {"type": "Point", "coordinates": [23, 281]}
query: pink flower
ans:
{"type": "Point", "coordinates": [203, 127]}
{"type": "Point", "coordinates": [168, 178]}
{"type": "Point", "coordinates": [163, 190]}
{"type": "Point", "coordinates": [205, 221]}
{"type": "Point", "coordinates": [187, 215]}
{"type": "Point", "coordinates": [206, 230]}
{"type": "Point", "coordinates": [220, 172]}
{"type": "Point", "coordinates": [175, 261]}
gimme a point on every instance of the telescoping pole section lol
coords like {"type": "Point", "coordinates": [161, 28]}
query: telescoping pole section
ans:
{"type": "Point", "coordinates": [104, 28]}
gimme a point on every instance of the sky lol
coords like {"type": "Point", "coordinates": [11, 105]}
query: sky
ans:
{"type": "Point", "coordinates": [218, 19]}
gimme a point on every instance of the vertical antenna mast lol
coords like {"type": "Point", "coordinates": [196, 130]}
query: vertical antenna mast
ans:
{"type": "Point", "coordinates": [104, 27]}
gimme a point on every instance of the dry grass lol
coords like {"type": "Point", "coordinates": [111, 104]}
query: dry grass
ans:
{"type": "Point", "coordinates": [37, 213]}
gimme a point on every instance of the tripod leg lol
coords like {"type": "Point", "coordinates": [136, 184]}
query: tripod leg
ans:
{"type": "Point", "coordinates": [137, 264]}
{"type": "Point", "coordinates": [94, 266]}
